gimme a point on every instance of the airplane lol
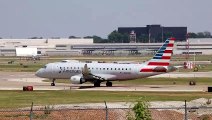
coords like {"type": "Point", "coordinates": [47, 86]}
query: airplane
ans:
{"type": "Point", "coordinates": [97, 73]}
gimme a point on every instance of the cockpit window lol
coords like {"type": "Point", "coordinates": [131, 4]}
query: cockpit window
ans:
{"type": "Point", "coordinates": [44, 67]}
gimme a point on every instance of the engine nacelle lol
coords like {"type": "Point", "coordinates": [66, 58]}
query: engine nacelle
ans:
{"type": "Point", "coordinates": [160, 69]}
{"type": "Point", "coordinates": [163, 69]}
{"type": "Point", "coordinates": [77, 80]}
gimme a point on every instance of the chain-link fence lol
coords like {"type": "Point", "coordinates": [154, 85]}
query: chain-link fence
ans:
{"type": "Point", "coordinates": [48, 113]}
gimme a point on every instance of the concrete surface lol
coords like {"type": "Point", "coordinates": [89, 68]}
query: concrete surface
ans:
{"type": "Point", "coordinates": [16, 81]}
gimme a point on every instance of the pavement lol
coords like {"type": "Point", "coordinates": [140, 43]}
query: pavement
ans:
{"type": "Point", "coordinates": [16, 81]}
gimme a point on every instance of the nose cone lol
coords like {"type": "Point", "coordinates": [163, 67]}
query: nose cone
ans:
{"type": "Point", "coordinates": [39, 73]}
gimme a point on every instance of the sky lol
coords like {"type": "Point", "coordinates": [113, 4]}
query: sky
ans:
{"type": "Point", "coordinates": [64, 18]}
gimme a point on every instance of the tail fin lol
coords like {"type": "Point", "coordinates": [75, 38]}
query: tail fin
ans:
{"type": "Point", "coordinates": [163, 55]}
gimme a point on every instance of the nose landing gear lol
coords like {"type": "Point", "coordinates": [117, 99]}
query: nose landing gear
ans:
{"type": "Point", "coordinates": [53, 82]}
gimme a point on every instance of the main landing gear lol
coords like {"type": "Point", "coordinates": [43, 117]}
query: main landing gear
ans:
{"type": "Point", "coordinates": [109, 84]}
{"type": "Point", "coordinates": [53, 82]}
{"type": "Point", "coordinates": [97, 83]}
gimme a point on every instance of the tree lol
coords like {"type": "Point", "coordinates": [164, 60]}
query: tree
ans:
{"type": "Point", "coordinates": [98, 39]}
{"type": "Point", "coordinates": [116, 37]}
{"type": "Point", "coordinates": [192, 35]}
{"type": "Point", "coordinates": [141, 111]}
{"type": "Point", "coordinates": [207, 34]}
{"type": "Point", "coordinates": [73, 37]}
{"type": "Point", "coordinates": [36, 38]}
{"type": "Point", "coordinates": [125, 38]}
{"type": "Point", "coordinates": [200, 35]}
{"type": "Point", "coordinates": [88, 37]}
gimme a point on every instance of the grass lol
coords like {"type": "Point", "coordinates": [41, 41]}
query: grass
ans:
{"type": "Point", "coordinates": [17, 99]}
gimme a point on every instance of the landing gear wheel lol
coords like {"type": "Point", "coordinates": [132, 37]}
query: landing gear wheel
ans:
{"type": "Point", "coordinates": [109, 84]}
{"type": "Point", "coordinates": [97, 84]}
{"type": "Point", "coordinates": [53, 84]}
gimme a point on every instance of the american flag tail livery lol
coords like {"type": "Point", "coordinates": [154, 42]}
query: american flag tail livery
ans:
{"type": "Point", "coordinates": [161, 61]}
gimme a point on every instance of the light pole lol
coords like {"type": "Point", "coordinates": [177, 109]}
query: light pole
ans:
{"type": "Point", "coordinates": [162, 32]}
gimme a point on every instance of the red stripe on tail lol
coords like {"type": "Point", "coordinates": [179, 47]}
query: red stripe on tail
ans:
{"type": "Point", "coordinates": [168, 51]}
{"type": "Point", "coordinates": [166, 57]}
{"type": "Point", "coordinates": [170, 45]}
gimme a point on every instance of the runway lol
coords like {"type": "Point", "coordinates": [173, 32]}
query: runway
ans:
{"type": "Point", "coordinates": [16, 81]}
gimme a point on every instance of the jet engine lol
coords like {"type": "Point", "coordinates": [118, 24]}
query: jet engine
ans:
{"type": "Point", "coordinates": [160, 69]}
{"type": "Point", "coordinates": [77, 80]}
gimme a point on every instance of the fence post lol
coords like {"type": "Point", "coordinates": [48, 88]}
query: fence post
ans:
{"type": "Point", "coordinates": [106, 110]}
{"type": "Point", "coordinates": [31, 113]}
{"type": "Point", "coordinates": [186, 117]}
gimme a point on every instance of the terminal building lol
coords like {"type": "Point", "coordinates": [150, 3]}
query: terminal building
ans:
{"type": "Point", "coordinates": [80, 47]}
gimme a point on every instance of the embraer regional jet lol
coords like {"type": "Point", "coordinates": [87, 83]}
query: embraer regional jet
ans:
{"type": "Point", "coordinates": [97, 73]}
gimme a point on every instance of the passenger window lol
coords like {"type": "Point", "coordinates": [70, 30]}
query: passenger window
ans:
{"type": "Point", "coordinates": [103, 68]}
{"type": "Point", "coordinates": [126, 68]}
{"type": "Point", "coordinates": [118, 68]}
{"type": "Point", "coordinates": [107, 68]}
{"type": "Point", "coordinates": [122, 68]}
{"type": "Point", "coordinates": [111, 68]}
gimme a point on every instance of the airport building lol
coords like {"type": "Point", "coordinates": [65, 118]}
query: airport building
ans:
{"type": "Point", "coordinates": [79, 47]}
{"type": "Point", "coordinates": [44, 46]}
{"type": "Point", "coordinates": [156, 33]}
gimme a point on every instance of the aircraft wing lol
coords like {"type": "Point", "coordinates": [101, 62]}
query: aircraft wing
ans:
{"type": "Point", "coordinates": [88, 76]}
